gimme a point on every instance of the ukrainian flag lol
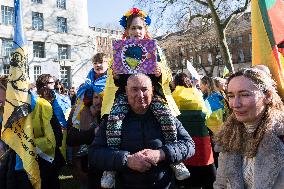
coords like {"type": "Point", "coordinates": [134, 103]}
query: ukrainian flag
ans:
{"type": "Point", "coordinates": [17, 131]}
{"type": "Point", "coordinates": [226, 72]}
{"type": "Point", "coordinates": [267, 18]}
{"type": "Point", "coordinates": [216, 104]}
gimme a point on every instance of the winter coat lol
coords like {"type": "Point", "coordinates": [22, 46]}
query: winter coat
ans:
{"type": "Point", "coordinates": [269, 164]}
{"type": "Point", "coordinates": [140, 132]}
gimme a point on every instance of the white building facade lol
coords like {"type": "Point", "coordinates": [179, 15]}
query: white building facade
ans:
{"type": "Point", "coordinates": [60, 41]}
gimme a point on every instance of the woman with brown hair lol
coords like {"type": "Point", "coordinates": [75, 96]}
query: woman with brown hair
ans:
{"type": "Point", "coordinates": [49, 171]}
{"type": "Point", "coordinates": [251, 140]}
{"type": "Point", "coordinates": [193, 117]}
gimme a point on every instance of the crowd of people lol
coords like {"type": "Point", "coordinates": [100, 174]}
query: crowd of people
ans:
{"type": "Point", "coordinates": [159, 131]}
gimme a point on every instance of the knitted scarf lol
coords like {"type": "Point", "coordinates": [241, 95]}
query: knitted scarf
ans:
{"type": "Point", "coordinates": [121, 107]}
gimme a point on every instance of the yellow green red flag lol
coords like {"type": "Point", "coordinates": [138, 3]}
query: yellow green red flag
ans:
{"type": "Point", "coordinates": [267, 18]}
{"type": "Point", "coordinates": [17, 131]}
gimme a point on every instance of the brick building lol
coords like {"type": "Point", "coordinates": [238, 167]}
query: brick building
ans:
{"type": "Point", "coordinates": [104, 39]}
{"type": "Point", "coordinates": [200, 46]}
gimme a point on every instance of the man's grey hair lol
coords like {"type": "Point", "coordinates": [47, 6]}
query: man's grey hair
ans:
{"type": "Point", "coordinates": [140, 75]}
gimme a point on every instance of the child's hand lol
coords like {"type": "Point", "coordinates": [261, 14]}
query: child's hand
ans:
{"type": "Point", "coordinates": [158, 71]}
{"type": "Point", "coordinates": [115, 75]}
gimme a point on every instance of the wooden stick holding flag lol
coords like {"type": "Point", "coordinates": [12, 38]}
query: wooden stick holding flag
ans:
{"type": "Point", "coordinates": [267, 18]}
{"type": "Point", "coordinates": [17, 131]}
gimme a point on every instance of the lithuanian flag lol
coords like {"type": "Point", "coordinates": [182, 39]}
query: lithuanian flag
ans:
{"type": "Point", "coordinates": [267, 18]}
{"type": "Point", "coordinates": [18, 131]}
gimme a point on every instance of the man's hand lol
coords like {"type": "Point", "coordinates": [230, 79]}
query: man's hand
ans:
{"type": "Point", "coordinates": [139, 162]}
{"type": "Point", "coordinates": [154, 155]}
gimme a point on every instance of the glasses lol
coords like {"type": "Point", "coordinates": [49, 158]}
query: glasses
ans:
{"type": "Point", "coordinates": [50, 82]}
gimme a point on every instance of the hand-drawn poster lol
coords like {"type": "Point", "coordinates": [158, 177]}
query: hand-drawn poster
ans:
{"type": "Point", "coordinates": [134, 56]}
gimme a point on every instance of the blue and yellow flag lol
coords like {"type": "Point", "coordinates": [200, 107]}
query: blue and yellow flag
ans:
{"type": "Point", "coordinates": [267, 20]}
{"type": "Point", "coordinates": [226, 72]}
{"type": "Point", "coordinates": [17, 129]}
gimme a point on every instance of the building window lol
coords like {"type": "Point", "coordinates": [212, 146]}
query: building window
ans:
{"type": "Point", "coordinates": [191, 59]}
{"type": "Point", "coordinates": [37, 1]}
{"type": "Point", "coordinates": [229, 41]}
{"type": "Point", "coordinates": [105, 41]}
{"type": "Point", "coordinates": [63, 52]}
{"type": "Point", "coordinates": [37, 72]}
{"type": "Point", "coordinates": [209, 59]}
{"type": "Point", "coordinates": [7, 47]}
{"type": "Point", "coordinates": [37, 19]}
{"type": "Point", "coordinates": [240, 40]}
{"type": "Point", "coordinates": [241, 56]}
{"type": "Point", "coordinates": [7, 15]}
{"type": "Point", "coordinates": [61, 4]}
{"type": "Point", "coordinates": [62, 25]}
{"type": "Point", "coordinates": [38, 49]}
{"type": "Point", "coordinates": [6, 69]}
{"type": "Point", "coordinates": [249, 38]}
{"type": "Point", "coordinates": [199, 59]}
{"type": "Point", "coordinates": [64, 75]}
{"type": "Point", "coordinates": [250, 53]}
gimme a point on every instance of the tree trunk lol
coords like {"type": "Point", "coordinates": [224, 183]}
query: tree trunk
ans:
{"type": "Point", "coordinates": [225, 52]}
{"type": "Point", "coordinates": [220, 30]}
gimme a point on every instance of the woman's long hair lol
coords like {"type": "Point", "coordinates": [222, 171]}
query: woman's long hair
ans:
{"type": "Point", "coordinates": [208, 81]}
{"type": "Point", "coordinates": [42, 89]}
{"type": "Point", "coordinates": [233, 136]}
{"type": "Point", "coordinates": [182, 79]}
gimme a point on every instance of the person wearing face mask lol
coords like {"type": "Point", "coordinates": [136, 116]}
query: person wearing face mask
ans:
{"type": "Point", "coordinates": [251, 141]}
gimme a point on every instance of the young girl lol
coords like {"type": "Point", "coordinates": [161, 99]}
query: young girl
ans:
{"type": "Point", "coordinates": [135, 23]}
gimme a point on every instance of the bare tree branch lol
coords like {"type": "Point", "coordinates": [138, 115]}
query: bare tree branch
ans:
{"type": "Point", "coordinates": [234, 13]}
{"type": "Point", "coordinates": [202, 3]}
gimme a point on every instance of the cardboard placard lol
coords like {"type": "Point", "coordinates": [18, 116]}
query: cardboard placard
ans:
{"type": "Point", "coordinates": [134, 56]}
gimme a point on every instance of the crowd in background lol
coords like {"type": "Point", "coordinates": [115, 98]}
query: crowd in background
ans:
{"type": "Point", "coordinates": [158, 130]}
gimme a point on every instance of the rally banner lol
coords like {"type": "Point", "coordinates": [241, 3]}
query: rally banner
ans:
{"type": "Point", "coordinates": [17, 131]}
{"type": "Point", "coordinates": [267, 18]}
